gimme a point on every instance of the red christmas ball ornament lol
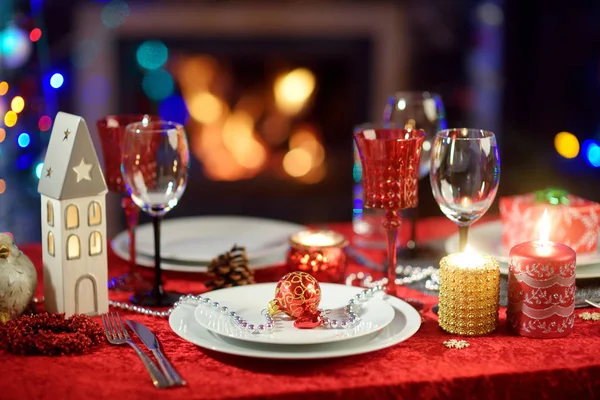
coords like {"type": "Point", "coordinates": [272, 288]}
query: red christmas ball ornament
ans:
{"type": "Point", "coordinates": [298, 295]}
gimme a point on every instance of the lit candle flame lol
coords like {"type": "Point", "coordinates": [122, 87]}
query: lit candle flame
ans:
{"type": "Point", "coordinates": [470, 259]}
{"type": "Point", "coordinates": [544, 227]}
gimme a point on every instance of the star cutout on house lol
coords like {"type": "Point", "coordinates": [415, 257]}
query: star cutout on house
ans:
{"type": "Point", "coordinates": [48, 172]}
{"type": "Point", "coordinates": [67, 133]}
{"type": "Point", "coordinates": [83, 171]}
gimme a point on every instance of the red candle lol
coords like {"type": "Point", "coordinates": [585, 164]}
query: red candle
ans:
{"type": "Point", "coordinates": [541, 287]}
{"type": "Point", "coordinates": [319, 253]}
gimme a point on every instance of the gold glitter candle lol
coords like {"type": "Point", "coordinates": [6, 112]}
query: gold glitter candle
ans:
{"type": "Point", "coordinates": [469, 294]}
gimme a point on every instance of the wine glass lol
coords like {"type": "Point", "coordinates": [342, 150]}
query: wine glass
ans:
{"type": "Point", "coordinates": [155, 166]}
{"type": "Point", "coordinates": [111, 130]}
{"type": "Point", "coordinates": [390, 162]}
{"type": "Point", "coordinates": [416, 110]}
{"type": "Point", "coordinates": [465, 172]}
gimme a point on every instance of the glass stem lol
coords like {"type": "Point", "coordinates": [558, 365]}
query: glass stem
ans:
{"type": "Point", "coordinates": [132, 213]}
{"type": "Point", "coordinates": [414, 216]}
{"type": "Point", "coordinates": [157, 290]}
{"type": "Point", "coordinates": [392, 240]}
{"type": "Point", "coordinates": [463, 235]}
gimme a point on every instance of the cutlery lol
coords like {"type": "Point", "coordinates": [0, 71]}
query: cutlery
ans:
{"type": "Point", "coordinates": [151, 342]}
{"type": "Point", "coordinates": [116, 333]}
{"type": "Point", "coordinates": [593, 302]}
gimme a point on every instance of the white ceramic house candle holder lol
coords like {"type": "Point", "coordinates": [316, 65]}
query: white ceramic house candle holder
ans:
{"type": "Point", "coordinates": [73, 194]}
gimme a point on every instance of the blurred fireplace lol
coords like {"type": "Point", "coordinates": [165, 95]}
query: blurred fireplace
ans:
{"type": "Point", "coordinates": [273, 92]}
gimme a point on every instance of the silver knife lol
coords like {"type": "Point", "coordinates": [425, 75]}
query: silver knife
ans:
{"type": "Point", "coordinates": [151, 342]}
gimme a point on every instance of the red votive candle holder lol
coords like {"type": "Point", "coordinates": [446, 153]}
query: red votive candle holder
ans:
{"type": "Point", "coordinates": [541, 289]}
{"type": "Point", "coordinates": [320, 253]}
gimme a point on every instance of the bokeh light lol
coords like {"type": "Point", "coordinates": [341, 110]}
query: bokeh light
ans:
{"type": "Point", "coordinates": [297, 162]}
{"type": "Point", "coordinates": [115, 13]}
{"type": "Point", "coordinates": [158, 84]}
{"type": "Point", "coordinates": [173, 108]}
{"type": "Point", "coordinates": [2, 135]}
{"type": "Point", "coordinates": [14, 46]}
{"type": "Point", "coordinates": [490, 14]}
{"type": "Point", "coordinates": [57, 80]}
{"type": "Point", "coordinates": [24, 161]}
{"type": "Point", "coordinates": [35, 34]}
{"type": "Point", "coordinates": [17, 104]}
{"type": "Point", "coordinates": [592, 153]}
{"type": "Point", "coordinates": [96, 91]}
{"type": "Point", "coordinates": [205, 107]}
{"type": "Point", "coordinates": [566, 144]}
{"type": "Point", "coordinates": [3, 88]}
{"type": "Point", "coordinates": [2, 186]}
{"type": "Point", "coordinates": [10, 119]}
{"type": "Point", "coordinates": [38, 170]}
{"type": "Point", "coordinates": [292, 90]}
{"type": "Point", "coordinates": [152, 54]}
{"type": "Point", "coordinates": [24, 139]}
{"type": "Point", "coordinates": [45, 123]}
{"type": "Point", "coordinates": [84, 53]}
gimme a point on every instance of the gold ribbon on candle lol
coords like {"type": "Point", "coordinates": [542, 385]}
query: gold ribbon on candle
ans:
{"type": "Point", "coordinates": [469, 295]}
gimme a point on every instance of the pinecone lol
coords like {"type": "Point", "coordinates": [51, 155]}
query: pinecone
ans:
{"type": "Point", "coordinates": [231, 269]}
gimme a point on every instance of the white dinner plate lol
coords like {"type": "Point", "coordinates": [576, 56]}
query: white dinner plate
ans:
{"type": "Point", "coordinates": [248, 301]}
{"type": "Point", "coordinates": [120, 245]}
{"type": "Point", "coordinates": [487, 239]}
{"type": "Point", "coordinates": [406, 323]}
{"type": "Point", "coordinates": [200, 239]}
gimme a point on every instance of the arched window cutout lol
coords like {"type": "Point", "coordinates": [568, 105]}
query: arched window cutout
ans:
{"type": "Point", "coordinates": [95, 243]}
{"type": "Point", "coordinates": [94, 214]}
{"type": "Point", "coordinates": [51, 244]}
{"type": "Point", "coordinates": [72, 216]}
{"type": "Point", "coordinates": [73, 248]}
{"type": "Point", "coordinates": [50, 213]}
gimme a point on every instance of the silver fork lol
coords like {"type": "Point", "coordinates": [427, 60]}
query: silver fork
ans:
{"type": "Point", "coordinates": [116, 333]}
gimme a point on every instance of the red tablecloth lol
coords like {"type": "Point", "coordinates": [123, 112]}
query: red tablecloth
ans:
{"type": "Point", "coordinates": [494, 366]}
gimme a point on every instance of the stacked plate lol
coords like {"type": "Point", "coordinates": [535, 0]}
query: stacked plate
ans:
{"type": "Point", "coordinates": [190, 244]}
{"type": "Point", "coordinates": [385, 321]}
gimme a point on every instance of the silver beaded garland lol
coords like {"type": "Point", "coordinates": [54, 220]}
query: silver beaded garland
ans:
{"type": "Point", "coordinates": [350, 310]}
{"type": "Point", "coordinates": [409, 275]}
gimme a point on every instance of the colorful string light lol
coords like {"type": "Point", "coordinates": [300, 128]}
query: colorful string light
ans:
{"type": "Point", "coordinates": [10, 119]}
{"type": "Point", "coordinates": [56, 80]}
{"type": "Point", "coordinates": [35, 34]}
{"type": "Point", "coordinates": [566, 144]}
{"type": "Point", "coordinates": [24, 139]}
{"type": "Point", "coordinates": [17, 104]}
{"type": "Point", "coordinates": [38, 170]}
{"type": "Point", "coordinates": [44, 123]}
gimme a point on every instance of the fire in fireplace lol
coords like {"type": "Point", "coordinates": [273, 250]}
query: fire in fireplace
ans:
{"type": "Point", "coordinates": [278, 115]}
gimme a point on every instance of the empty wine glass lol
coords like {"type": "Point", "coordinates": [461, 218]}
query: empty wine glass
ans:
{"type": "Point", "coordinates": [465, 172]}
{"type": "Point", "coordinates": [416, 110]}
{"type": "Point", "coordinates": [390, 163]}
{"type": "Point", "coordinates": [155, 164]}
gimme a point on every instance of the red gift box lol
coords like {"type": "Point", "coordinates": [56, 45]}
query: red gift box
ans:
{"type": "Point", "coordinates": [575, 225]}
{"type": "Point", "coordinates": [541, 290]}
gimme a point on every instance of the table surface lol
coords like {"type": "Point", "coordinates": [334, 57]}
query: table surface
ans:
{"type": "Point", "coordinates": [497, 365]}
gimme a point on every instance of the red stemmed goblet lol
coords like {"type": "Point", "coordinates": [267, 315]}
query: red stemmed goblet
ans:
{"type": "Point", "coordinates": [390, 161]}
{"type": "Point", "coordinates": [111, 130]}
